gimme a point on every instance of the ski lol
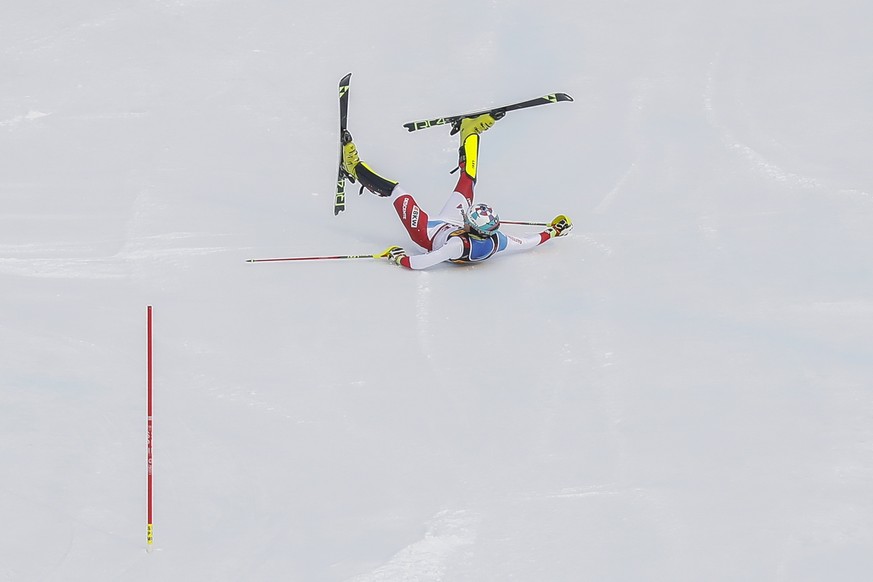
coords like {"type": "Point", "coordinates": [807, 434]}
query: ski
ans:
{"type": "Point", "coordinates": [339, 203]}
{"type": "Point", "coordinates": [496, 111]}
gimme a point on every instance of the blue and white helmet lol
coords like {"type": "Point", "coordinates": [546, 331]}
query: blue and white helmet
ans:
{"type": "Point", "coordinates": [482, 220]}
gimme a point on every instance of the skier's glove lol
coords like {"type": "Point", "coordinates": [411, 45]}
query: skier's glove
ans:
{"type": "Point", "coordinates": [559, 226]}
{"type": "Point", "coordinates": [394, 254]}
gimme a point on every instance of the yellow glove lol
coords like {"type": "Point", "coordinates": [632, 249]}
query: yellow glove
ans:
{"type": "Point", "coordinates": [559, 226]}
{"type": "Point", "coordinates": [394, 254]}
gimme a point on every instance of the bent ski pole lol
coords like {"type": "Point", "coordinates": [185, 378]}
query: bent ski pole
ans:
{"type": "Point", "coordinates": [381, 255]}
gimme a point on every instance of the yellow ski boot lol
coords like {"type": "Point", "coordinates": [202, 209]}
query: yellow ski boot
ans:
{"type": "Point", "coordinates": [476, 125]}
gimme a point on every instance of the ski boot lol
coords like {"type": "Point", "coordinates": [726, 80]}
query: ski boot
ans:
{"type": "Point", "coordinates": [350, 155]}
{"type": "Point", "coordinates": [468, 153]}
{"type": "Point", "coordinates": [358, 170]}
{"type": "Point", "coordinates": [476, 125]}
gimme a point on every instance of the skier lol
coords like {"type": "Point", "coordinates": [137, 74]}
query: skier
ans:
{"type": "Point", "coordinates": [463, 232]}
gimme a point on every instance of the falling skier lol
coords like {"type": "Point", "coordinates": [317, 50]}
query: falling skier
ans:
{"type": "Point", "coordinates": [462, 232]}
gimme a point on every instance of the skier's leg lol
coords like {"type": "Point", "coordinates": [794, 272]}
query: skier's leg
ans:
{"type": "Point", "coordinates": [468, 162]}
{"type": "Point", "coordinates": [414, 219]}
{"type": "Point", "coordinates": [455, 207]}
{"type": "Point", "coordinates": [357, 169]}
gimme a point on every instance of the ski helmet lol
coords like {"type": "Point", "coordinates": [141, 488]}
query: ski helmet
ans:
{"type": "Point", "coordinates": [482, 220]}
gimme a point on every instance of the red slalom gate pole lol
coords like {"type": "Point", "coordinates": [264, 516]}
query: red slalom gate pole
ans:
{"type": "Point", "coordinates": [150, 526]}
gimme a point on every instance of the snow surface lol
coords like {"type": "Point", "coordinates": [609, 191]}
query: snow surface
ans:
{"type": "Point", "coordinates": [681, 390]}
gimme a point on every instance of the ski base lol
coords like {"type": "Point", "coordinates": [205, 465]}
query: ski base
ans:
{"type": "Point", "coordinates": [339, 202]}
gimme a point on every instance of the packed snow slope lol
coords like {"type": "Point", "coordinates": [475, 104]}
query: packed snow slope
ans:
{"type": "Point", "coordinates": [680, 390]}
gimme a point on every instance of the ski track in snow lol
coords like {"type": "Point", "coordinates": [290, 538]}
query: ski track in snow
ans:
{"type": "Point", "coordinates": [652, 507]}
{"type": "Point", "coordinates": [607, 200]}
{"type": "Point", "coordinates": [602, 248]}
{"type": "Point", "coordinates": [579, 492]}
{"type": "Point", "coordinates": [634, 121]}
{"type": "Point", "coordinates": [758, 162]}
{"type": "Point", "coordinates": [422, 319]}
{"type": "Point", "coordinates": [448, 532]}
{"type": "Point", "coordinates": [120, 265]}
{"type": "Point", "coordinates": [139, 248]}
{"type": "Point", "coordinates": [18, 119]}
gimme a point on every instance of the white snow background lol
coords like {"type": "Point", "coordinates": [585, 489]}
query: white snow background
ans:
{"type": "Point", "coordinates": [678, 391]}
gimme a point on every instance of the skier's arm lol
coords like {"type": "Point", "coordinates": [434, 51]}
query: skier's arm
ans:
{"type": "Point", "coordinates": [560, 226]}
{"type": "Point", "coordinates": [453, 249]}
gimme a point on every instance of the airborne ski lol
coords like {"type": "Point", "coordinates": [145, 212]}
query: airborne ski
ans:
{"type": "Point", "coordinates": [498, 112]}
{"type": "Point", "coordinates": [339, 203]}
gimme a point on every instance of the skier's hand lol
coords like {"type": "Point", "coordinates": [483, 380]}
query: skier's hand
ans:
{"type": "Point", "coordinates": [559, 226]}
{"type": "Point", "coordinates": [395, 254]}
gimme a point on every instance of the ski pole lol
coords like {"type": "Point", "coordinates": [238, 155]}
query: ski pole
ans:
{"type": "Point", "coordinates": [381, 255]}
{"type": "Point", "coordinates": [525, 222]}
